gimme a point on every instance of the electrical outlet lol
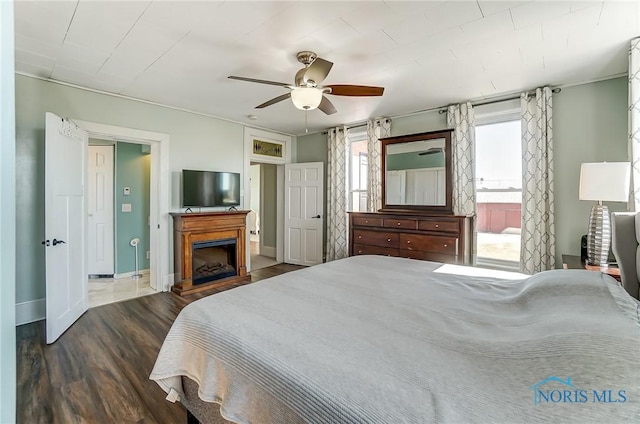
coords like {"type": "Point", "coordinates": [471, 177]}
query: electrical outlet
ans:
{"type": "Point", "coordinates": [148, 254]}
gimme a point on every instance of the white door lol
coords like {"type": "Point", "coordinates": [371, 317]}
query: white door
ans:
{"type": "Point", "coordinates": [304, 208]}
{"type": "Point", "coordinates": [65, 174]}
{"type": "Point", "coordinates": [100, 210]}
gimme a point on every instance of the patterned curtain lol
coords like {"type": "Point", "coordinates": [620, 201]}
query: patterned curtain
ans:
{"type": "Point", "coordinates": [337, 226]}
{"type": "Point", "coordinates": [463, 145]}
{"type": "Point", "coordinates": [537, 249]}
{"type": "Point", "coordinates": [634, 122]}
{"type": "Point", "coordinates": [376, 129]}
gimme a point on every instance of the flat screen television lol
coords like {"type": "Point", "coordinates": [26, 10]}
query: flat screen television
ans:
{"type": "Point", "coordinates": [210, 189]}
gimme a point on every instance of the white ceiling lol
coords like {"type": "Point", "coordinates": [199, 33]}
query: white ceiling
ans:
{"type": "Point", "coordinates": [426, 54]}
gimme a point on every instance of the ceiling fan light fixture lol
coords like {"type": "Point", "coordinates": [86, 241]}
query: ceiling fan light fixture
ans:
{"type": "Point", "coordinates": [306, 98]}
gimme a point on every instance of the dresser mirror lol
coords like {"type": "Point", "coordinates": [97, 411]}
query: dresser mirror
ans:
{"type": "Point", "coordinates": [416, 172]}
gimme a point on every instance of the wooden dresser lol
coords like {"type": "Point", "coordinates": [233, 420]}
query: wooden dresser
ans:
{"type": "Point", "coordinates": [439, 238]}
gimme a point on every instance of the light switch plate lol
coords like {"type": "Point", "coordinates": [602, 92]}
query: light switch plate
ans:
{"type": "Point", "coordinates": [127, 191]}
{"type": "Point", "coordinates": [126, 207]}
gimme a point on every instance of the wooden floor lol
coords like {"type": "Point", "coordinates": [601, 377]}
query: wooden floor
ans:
{"type": "Point", "coordinates": [98, 371]}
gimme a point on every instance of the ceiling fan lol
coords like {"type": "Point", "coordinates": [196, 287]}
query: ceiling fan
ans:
{"type": "Point", "coordinates": [306, 91]}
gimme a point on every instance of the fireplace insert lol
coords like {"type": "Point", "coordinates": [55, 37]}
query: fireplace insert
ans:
{"type": "Point", "coordinates": [213, 260]}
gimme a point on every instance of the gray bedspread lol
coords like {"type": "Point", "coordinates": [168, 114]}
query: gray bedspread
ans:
{"type": "Point", "coordinates": [372, 339]}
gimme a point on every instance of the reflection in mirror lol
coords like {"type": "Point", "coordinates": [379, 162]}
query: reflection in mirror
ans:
{"type": "Point", "coordinates": [416, 173]}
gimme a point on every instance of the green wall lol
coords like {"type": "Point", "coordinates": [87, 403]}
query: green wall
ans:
{"type": "Point", "coordinates": [590, 124]}
{"type": "Point", "coordinates": [197, 142]}
{"type": "Point", "coordinates": [268, 178]}
{"type": "Point", "coordinates": [131, 170]}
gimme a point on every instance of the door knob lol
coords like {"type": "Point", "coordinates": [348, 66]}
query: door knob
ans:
{"type": "Point", "coordinates": [56, 242]}
{"type": "Point", "coordinates": [317, 216]}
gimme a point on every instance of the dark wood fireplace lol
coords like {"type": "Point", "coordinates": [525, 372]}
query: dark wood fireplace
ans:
{"type": "Point", "coordinates": [209, 250]}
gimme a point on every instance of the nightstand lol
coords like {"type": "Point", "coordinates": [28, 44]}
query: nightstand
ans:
{"type": "Point", "coordinates": [575, 262]}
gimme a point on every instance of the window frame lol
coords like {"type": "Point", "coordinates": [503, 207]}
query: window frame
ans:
{"type": "Point", "coordinates": [354, 136]}
{"type": "Point", "coordinates": [497, 113]}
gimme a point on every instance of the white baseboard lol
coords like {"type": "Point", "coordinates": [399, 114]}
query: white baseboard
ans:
{"type": "Point", "coordinates": [268, 251]}
{"type": "Point", "coordinates": [31, 311]}
{"type": "Point", "coordinates": [131, 274]}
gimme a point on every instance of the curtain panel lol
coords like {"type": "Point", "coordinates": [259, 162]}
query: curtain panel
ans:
{"type": "Point", "coordinates": [337, 225]}
{"type": "Point", "coordinates": [376, 129]}
{"type": "Point", "coordinates": [634, 122]}
{"type": "Point", "coordinates": [461, 118]}
{"type": "Point", "coordinates": [537, 249]}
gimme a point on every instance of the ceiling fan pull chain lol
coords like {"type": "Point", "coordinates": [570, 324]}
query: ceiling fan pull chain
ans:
{"type": "Point", "coordinates": [306, 126]}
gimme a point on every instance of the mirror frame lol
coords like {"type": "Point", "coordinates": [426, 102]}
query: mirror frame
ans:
{"type": "Point", "coordinates": [448, 206]}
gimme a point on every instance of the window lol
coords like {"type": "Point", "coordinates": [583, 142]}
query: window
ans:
{"type": "Point", "coordinates": [357, 172]}
{"type": "Point", "coordinates": [498, 191]}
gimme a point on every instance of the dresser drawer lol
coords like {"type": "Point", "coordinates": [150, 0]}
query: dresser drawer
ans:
{"type": "Point", "coordinates": [428, 243]}
{"type": "Point", "coordinates": [375, 238]}
{"type": "Point", "coordinates": [429, 256]}
{"type": "Point", "coordinates": [405, 224]}
{"type": "Point", "coordinates": [367, 222]}
{"type": "Point", "coordinates": [433, 225]}
{"type": "Point", "coordinates": [361, 249]}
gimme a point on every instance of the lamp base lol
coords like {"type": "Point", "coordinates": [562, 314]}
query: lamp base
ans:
{"type": "Point", "coordinates": [599, 236]}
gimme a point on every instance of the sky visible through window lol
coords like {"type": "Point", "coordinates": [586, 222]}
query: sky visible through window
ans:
{"type": "Point", "coordinates": [498, 156]}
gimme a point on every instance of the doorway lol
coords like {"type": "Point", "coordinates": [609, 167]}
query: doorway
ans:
{"type": "Point", "coordinates": [262, 217]}
{"type": "Point", "coordinates": [119, 191]}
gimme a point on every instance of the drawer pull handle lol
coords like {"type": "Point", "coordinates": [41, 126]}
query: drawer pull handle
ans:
{"type": "Point", "coordinates": [366, 221]}
{"type": "Point", "coordinates": [437, 226]}
{"type": "Point", "coordinates": [359, 251]}
{"type": "Point", "coordinates": [398, 224]}
{"type": "Point", "coordinates": [410, 248]}
{"type": "Point", "coordinates": [408, 241]}
{"type": "Point", "coordinates": [445, 245]}
{"type": "Point", "coordinates": [359, 237]}
{"type": "Point", "coordinates": [389, 240]}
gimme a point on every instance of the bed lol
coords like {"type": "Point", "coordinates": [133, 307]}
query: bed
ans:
{"type": "Point", "coordinates": [373, 339]}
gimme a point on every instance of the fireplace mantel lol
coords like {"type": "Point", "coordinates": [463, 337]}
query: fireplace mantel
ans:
{"type": "Point", "coordinates": [190, 228]}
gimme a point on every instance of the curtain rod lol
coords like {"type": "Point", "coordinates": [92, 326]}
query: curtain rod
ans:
{"type": "Point", "coordinates": [442, 109]}
{"type": "Point", "coordinates": [503, 99]}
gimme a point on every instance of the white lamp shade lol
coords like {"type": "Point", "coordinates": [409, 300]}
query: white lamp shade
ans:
{"type": "Point", "coordinates": [306, 98]}
{"type": "Point", "coordinates": [605, 181]}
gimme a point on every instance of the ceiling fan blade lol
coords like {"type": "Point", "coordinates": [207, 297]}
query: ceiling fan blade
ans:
{"type": "Point", "coordinates": [354, 90]}
{"type": "Point", "coordinates": [274, 101]}
{"type": "Point", "coordinates": [259, 81]}
{"type": "Point", "coordinates": [317, 71]}
{"type": "Point", "coordinates": [326, 106]}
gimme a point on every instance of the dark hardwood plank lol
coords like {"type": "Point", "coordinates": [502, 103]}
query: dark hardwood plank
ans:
{"type": "Point", "coordinates": [98, 371]}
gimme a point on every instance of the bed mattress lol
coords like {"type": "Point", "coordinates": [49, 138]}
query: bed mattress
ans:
{"type": "Point", "coordinates": [372, 339]}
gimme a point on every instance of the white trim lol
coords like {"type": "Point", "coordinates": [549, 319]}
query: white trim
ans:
{"type": "Point", "coordinates": [280, 214]}
{"type": "Point", "coordinates": [30, 311]}
{"type": "Point", "coordinates": [131, 274]}
{"type": "Point", "coordinates": [167, 281]}
{"type": "Point", "coordinates": [160, 256]}
{"type": "Point", "coordinates": [149, 102]}
{"type": "Point", "coordinates": [8, 278]}
{"type": "Point", "coordinates": [287, 142]}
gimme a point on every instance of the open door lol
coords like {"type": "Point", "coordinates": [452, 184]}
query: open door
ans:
{"type": "Point", "coordinates": [65, 174]}
{"type": "Point", "coordinates": [304, 207]}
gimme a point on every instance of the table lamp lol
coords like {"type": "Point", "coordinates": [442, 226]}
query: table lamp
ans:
{"type": "Point", "coordinates": [602, 182]}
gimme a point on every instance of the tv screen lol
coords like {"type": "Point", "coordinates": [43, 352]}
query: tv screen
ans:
{"type": "Point", "coordinates": [209, 189]}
